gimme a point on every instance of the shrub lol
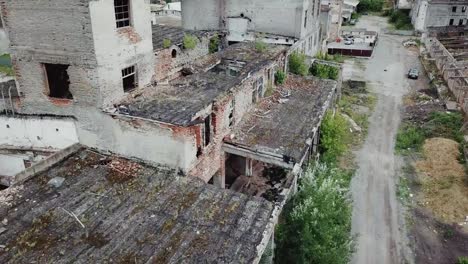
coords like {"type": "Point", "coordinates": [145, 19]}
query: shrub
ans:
{"type": "Point", "coordinates": [462, 260]}
{"type": "Point", "coordinates": [190, 41]}
{"type": "Point", "coordinates": [324, 71]}
{"type": "Point", "coordinates": [317, 220]}
{"type": "Point", "coordinates": [166, 43]}
{"type": "Point", "coordinates": [400, 19]}
{"type": "Point", "coordinates": [260, 46]}
{"type": "Point", "coordinates": [297, 63]}
{"type": "Point", "coordinates": [334, 130]}
{"type": "Point", "coordinates": [280, 77]}
{"type": "Point", "coordinates": [370, 6]}
{"type": "Point", "coordinates": [410, 137]}
{"type": "Point", "coordinates": [214, 44]}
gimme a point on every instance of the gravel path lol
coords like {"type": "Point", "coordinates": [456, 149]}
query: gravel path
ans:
{"type": "Point", "coordinates": [377, 217]}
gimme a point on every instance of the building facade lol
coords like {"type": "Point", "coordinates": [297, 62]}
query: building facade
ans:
{"type": "Point", "coordinates": [438, 13]}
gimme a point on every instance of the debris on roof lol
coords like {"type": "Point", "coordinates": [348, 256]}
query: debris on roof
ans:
{"type": "Point", "coordinates": [110, 209]}
{"type": "Point", "coordinates": [282, 123]}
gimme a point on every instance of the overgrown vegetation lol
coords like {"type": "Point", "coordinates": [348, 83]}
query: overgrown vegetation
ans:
{"type": "Point", "coordinates": [439, 124]}
{"type": "Point", "coordinates": [214, 44]}
{"type": "Point", "coordinates": [260, 46]}
{"type": "Point", "coordinates": [297, 64]}
{"type": "Point", "coordinates": [462, 260]}
{"type": "Point", "coordinates": [5, 65]}
{"type": "Point", "coordinates": [400, 19]}
{"type": "Point", "coordinates": [317, 222]}
{"type": "Point", "coordinates": [370, 6]}
{"type": "Point", "coordinates": [324, 71]}
{"type": "Point", "coordinates": [334, 131]}
{"type": "Point", "coordinates": [167, 43]}
{"type": "Point", "coordinates": [280, 77]}
{"type": "Point", "coordinates": [190, 41]}
{"type": "Point", "coordinates": [327, 57]}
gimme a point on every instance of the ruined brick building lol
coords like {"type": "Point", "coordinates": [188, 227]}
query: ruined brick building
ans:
{"type": "Point", "coordinates": [104, 105]}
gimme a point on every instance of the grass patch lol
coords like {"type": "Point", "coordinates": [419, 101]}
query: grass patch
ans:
{"type": "Point", "coordinates": [327, 57]}
{"type": "Point", "coordinates": [260, 46]}
{"type": "Point", "coordinates": [403, 190]}
{"type": "Point", "coordinates": [167, 43]}
{"type": "Point", "coordinates": [324, 71]}
{"type": "Point", "coordinates": [409, 137]}
{"type": "Point", "coordinates": [214, 44]}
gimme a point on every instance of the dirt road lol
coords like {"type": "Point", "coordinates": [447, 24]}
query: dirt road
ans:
{"type": "Point", "coordinates": [377, 219]}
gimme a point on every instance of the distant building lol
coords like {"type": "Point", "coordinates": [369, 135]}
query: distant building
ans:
{"type": "Point", "coordinates": [438, 13]}
{"type": "Point", "coordinates": [349, 7]}
{"type": "Point", "coordinates": [295, 22]}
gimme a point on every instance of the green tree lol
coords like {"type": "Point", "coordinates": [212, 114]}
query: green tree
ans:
{"type": "Point", "coordinates": [190, 41]}
{"type": "Point", "coordinates": [316, 226]}
{"type": "Point", "coordinates": [214, 44]}
{"type": "Point", "coordinates": [333, 133]}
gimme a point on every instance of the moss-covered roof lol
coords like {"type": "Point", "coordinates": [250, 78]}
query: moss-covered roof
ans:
{"type": "Point", "coordinates": [131, 213]}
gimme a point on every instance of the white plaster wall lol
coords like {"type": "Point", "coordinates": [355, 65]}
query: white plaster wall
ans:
{"type": "Point", "coordinates": [119, 48]}
{"type": "Point", "coordinates": [439, 15]}
{"type": "Point", "coordinates": [11, 165]}
{"type": "Point", "coordinates": [4, 42]}
{"type": "Point", "coordinates": [37, 132]}
{"type": "Point", "coordinates": [201, 14]}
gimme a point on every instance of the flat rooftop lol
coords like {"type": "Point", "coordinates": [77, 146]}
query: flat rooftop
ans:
{"type": "Point", "coordinates": [182, 99]}
{"type": "Point", "coordinates": [110, 209]}
{"type": "Point", "coordinates": [354, 46]}
{"type": "Point", "coordinates": [281, 123]}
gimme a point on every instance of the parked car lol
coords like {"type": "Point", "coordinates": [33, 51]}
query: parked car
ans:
{"type": "Point", "coordinates": [413, 73]}
{"type": "Point", "coordinates": [348, 42]}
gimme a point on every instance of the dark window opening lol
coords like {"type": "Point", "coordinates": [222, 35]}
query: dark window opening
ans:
{"type": "Point", "coordinates": [211, 181]}
{"type": "Point", "coordinates": [122, 13]}
{"type": "Point", "coordinates": [207, 131]}
{"type": "Point", "coordinates": [174, 53]}
{"type": "Point", "coordinates": [58, 80]}
{"type": "Point", "coordinates": [129, 78]}
{"type": "Point", "coordinates": [231, 114]}
{"type": "Point", "coordinates": [460, 22]}
{"type": "Point", "coordinates": [305, 19]}
{"type": "Point", "coordinates": [451, 22]}
{"type": "Point", "coordinates": [463, 9]}
{"type": "Point", "coordinates": [454, 9]}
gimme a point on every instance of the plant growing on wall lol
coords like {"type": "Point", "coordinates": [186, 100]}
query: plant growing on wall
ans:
{"type": "Point", "coordinates": [190, 41]}
{"type": "Point", "coordinates": [280, 77]}
{"type": "Point", "coordinates": [297, 63]}
{"type": "Point", "coordinates": [260, 46]}
{"type": "Point", "coordinates": [324, 71]}
{"type": "Point", "coordinates": [214, 44]}
{"type": "Point", "coordinates": [167, 43]}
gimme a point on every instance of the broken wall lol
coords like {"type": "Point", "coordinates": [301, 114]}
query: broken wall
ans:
{"type": "Point", "coordinates": [168, 67]}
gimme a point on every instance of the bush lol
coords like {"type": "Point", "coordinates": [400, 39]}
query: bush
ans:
{"type": "Point", "coordinates": [214, 44]}
{"type": "Point", "coordinates": [462, 260]}
{"type": "Point", "coordinates": [410, 137]}
{"type": "Point", "coordinates": [400, 19]}
{"type": "Point", "coordinates": [297, 63]}
{"type": "Point", "coordinates": [333, 134]}
{"type": "Point", "coordinates": [370, 6]}
{"type": "Point", "coordinates": [280, 77]}
{"type": "Point", "coordinates": [260, 46]}
{"type": "Point", "coordinates": [166, 43]}
{"type": "Point", "coordinates": [317, 220]}
{"type": "Point", "coordinates": [324, 71]}
{"type": "Point", "coordinates": [190, 41]}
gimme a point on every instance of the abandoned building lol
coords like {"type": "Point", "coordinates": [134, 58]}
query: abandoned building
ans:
{"type": "Point", "coordinates": [451, 59]}
{"type": "Point", "coordinates": [296, 25]}
{"type": "Point", "coordinates": [438, 13]}
{"type": "Point", "coordinates": [183, 144]}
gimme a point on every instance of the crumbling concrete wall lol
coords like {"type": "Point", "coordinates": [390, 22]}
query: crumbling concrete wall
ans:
{"type": "Point", "coordinates": [37, 132]}
{"type": "Point", "coordinates": [211, 162]}
{"type": "Point", "coordinates": [201, 14]}
{"type": "Point", "coordinates": [167, 67]}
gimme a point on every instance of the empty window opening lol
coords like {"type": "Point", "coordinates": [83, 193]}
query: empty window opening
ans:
{"type": "Point", "coordinates": [129, 78]}
{"type": "Point", "coordinates": [460, 22]}
{"type": "Point", "coordinates": [207, 131]}
{"type": "Point", "coordinates": [463, 9]}
{"type": "Point", "coordinates": [454, 9]}
{"type": "Point", "coordinates": [58, 80]}
{"type": "Point", "coordinates": [174, 53]}
{"type": "Point", "coordinates": [451, 22]}
{"type": "Point", "coordinates": [305, 19]}
{"type": "Point", "coordinates": [122, 13]}
{"type": "Point", "coordinates": [231, 114]}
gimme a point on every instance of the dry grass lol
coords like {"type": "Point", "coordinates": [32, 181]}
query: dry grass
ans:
{"type": "Point", "coordinates": [443, 179]}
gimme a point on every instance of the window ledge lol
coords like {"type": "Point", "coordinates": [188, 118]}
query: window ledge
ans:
{"type": "Point", "coordinates": [60, 101]}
